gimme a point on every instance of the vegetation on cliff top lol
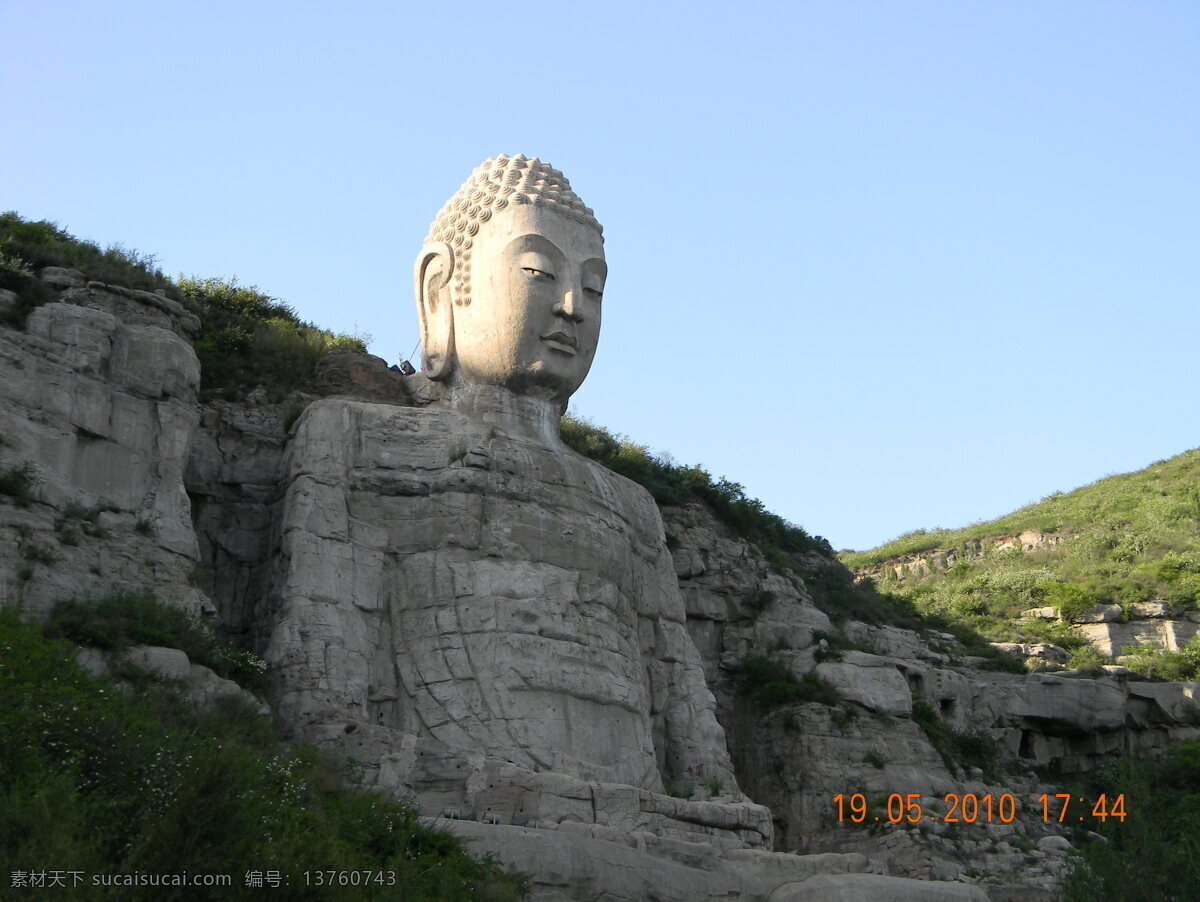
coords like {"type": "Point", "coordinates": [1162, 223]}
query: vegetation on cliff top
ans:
{"type": "Point", "coordinates": [106, 777]}
{"type": "Point", "coordinates": [671, 483]}
{"type": "Point", "coordinates": [1125, 539]}
{"type": "Point", "coordinates": [26, 247]}
{"type": "Point", "coordinates": [247, 339]}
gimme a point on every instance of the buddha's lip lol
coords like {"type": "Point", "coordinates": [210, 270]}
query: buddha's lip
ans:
{"type": "Point", "coordinates": [561, 338]}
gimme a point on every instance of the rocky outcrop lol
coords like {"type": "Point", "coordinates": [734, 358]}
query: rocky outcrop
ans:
{"type": "Point", "coordinates": [1110, 627]}
{"type": "Point", "coordinates": [1112, 637]}
{"type": "Point", "coordinates": [98, 396]}
{"type": "Point", "coordinates": [935, 560]}
{"type": "Point", "coordinates": [796, 758]}
{"type": "Point", "coordinates": [201, 686]}
{"type": "Point", "coordinates": [232, 480]}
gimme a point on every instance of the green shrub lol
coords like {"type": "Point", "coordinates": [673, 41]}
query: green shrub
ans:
{"type": "Point", "coordinates": [758, 600]}
{"type": "Point", "coordinates": [1123, 539]}
{"type": "Point", "coordinates": [670, 483]}
{"type": "Point", "coordinates": [17, 481]}
{"type": "Point", "coordinates": [1088, 658]}
{"type": "Point", "coordinates": [40, 554]}
{"type": "Point", "coordinates": [684, 789]}
{"type": "Point", "coordinates": [769, 681]}
{"type": "Point", "coordinates": [875, 759]}
{"type": "Point", "coordinates": [291, 415]}
{"type": "Point", "coordinates": [42, 243]}
{"type": "Point", "coordinates": [958, 749]}
{"type": "Point", "coordinates": [110, 781]}
{"type": "Point", "coordinates": [836, 643]}
{"type": "Point", "coordinates": [249, 339]}
{"type": "Point", "coordinates": [844, 716]}
{"type": "Point", "coordinates": [76, 511]}
{"type": "Point", "coordinates": [1150, 855]}
{"type": "Point", "coordinates": [26, 247]}
{"type": "Point", "coordinates": [138, 618]}
{"type": "Point", "coordinates": [1164, 664]}
{"type": "Point", "coordinates": [1071, 600]}
{"type": "Point", "coordinates": [17, 276]}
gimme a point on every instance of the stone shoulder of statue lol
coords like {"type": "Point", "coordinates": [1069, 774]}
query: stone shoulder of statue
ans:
{"type": "Point", "coordinates": [509, 288]}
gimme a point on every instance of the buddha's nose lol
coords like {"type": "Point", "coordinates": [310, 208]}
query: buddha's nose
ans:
{"type": "Point", "coordinates": [568, 307]}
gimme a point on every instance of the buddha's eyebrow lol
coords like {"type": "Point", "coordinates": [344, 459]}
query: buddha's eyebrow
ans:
{"type": "Point", "coordinates": [537, 243]}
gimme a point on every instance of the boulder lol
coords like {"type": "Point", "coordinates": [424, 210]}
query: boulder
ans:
{"type": "Point", "coordinates": [205, 689]}
{"type": "Point", "coordinates": [163, 663]}
{"type": "Point", "coordinates": [1101, 613]}
{"type": "Point", "coordinates": [873, 681]}
{"type": "Point", "coordinates": [1054, 843]}
{"type": "Point", "coordinates": [1147, 610]}
{"type": "Point", "coordinates": [61, 277]}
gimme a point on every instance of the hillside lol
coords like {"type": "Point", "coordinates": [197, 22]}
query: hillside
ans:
{"type": "Point", "coordinates": [1130, 541]}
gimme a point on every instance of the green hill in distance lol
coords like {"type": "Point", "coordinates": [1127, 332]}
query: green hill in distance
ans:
{"type": "Point", "coordinates": [1124, 539]}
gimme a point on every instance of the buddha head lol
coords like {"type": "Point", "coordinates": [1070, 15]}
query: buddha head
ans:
{"type": "Point", "coordinates": [509, 282]}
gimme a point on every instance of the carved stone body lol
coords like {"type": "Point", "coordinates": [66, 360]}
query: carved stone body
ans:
{"type": "Point", "coordinates": [451, 582]}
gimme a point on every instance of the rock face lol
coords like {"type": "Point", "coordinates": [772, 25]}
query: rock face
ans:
{"type": "Point", "coordinates": [796, 758]}
{"type": "Point", "coordinates": [99, 396]}
{"type": "Point", "coordinates": [483, 595]}
{"type": "Point", "coordinates": [926, 562]}
{"type": "Point", "coordinates": [1112, 638]}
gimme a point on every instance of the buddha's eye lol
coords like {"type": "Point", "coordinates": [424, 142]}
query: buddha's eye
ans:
{"type": "Point", "coordinates": [538, 273]}
{"type": "Point", "coordinates": [593, 286]}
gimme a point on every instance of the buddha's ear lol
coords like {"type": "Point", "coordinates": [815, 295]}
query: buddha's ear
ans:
{"type": "Point", "coordinates": [435, 309]}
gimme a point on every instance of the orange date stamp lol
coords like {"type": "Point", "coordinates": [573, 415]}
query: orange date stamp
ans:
{"type": "Point", "coordinates": [973, 808]}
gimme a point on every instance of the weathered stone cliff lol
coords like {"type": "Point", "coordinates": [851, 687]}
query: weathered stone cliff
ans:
{"type": "Point", "coordinates": [99, 396]}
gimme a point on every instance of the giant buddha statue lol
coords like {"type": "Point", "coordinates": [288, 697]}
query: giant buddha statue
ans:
{"type": "Point", "coordinates": [462, 600]}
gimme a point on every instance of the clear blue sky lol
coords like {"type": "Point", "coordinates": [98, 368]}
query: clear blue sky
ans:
{"type": "Point", "coordinates": [886, 264]}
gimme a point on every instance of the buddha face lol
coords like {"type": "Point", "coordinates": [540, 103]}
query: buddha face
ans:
{"type": "Point", "coordinates": [537, 278]}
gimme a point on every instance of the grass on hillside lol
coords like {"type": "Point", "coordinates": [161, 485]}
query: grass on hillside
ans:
{"type": "Point", "coordinates": [1166, 491]}
{"type": "Point", "coordinates": [247, 340]}
{"type": "Point", "coordinates": [250, 339]}
{"type": "Point", "coordinates": [103, 778]}
{"type": "Point", "coordinates": [26, 247]}
{"type": "Point", "coordinates": [1130, 538]}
